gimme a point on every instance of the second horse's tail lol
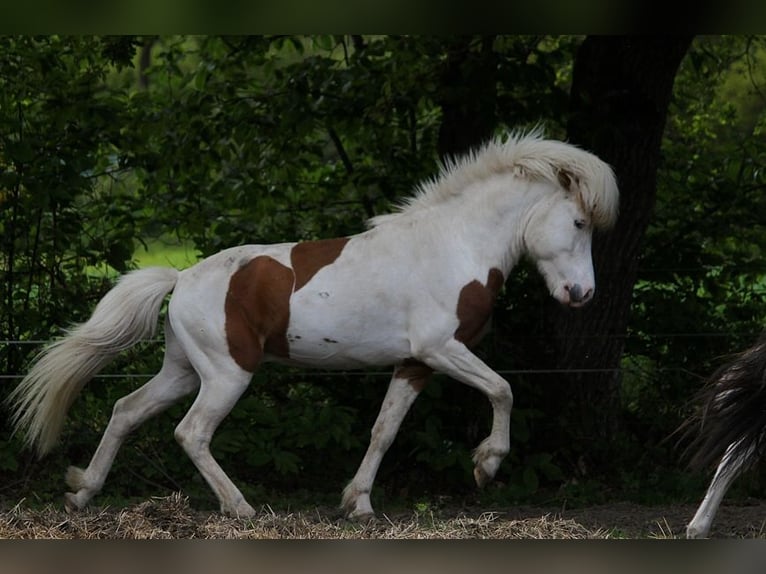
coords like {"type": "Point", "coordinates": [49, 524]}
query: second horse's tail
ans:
{"type": "Point", "coordinates": [126, 314]}
{"type": "Point", "coordinates": [733, 412]}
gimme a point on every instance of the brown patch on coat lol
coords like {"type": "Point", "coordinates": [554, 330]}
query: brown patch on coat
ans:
{"type": "Point", "coordinates": [416, 373]}
{"type": "Point", "coordinates": [310, 256]}
{"type": "Point", "coordinates": [257, 311]}
{"type": "Point", "coordinates": [474, 306]}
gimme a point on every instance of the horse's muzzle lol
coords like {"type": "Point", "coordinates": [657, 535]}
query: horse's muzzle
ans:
{"type": "Point", "coordinates": [577, 295]}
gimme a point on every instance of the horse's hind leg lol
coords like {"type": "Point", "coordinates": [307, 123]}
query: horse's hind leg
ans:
{"type": "Point", "coordinates": [404, 388]}
{"type": "Point", "coordinates": [175, 380]}
{"type": "Point", "coordinates": [221, 386]}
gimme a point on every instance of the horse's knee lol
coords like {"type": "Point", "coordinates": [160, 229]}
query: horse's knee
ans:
{"type": "Point", "coordinates": [503, 396]}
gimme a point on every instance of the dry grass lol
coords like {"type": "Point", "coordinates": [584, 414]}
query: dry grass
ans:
{"type": "Point", "coordinates": [172, 518]}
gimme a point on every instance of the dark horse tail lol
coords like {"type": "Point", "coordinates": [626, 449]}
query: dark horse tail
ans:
{"type": "Point", "coordinates": [731, 412]}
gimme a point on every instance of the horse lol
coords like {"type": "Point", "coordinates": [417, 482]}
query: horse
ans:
{"type": "Point", "coordinates": [413, 291]}
{"type": "Point", "coordinates": [729, 428]}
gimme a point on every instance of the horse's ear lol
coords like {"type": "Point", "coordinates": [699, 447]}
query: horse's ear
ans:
{"type": "Point", "coordinates": [568, 180]}
{"type": "Point", "coordinates": [565, 179]}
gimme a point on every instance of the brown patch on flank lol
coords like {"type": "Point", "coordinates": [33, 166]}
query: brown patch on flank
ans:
{"type": "Point", "coordinates": [310, 256]}
{"type": "Point", "coordinates": [257, 311]}
{"type": "Point", "coordinates": [416, 373]}
{"type": "Point", "coordinates": [474, 306]}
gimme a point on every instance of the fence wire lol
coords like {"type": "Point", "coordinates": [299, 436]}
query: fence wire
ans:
{"type": "Point", "coordinates": [359, 373]}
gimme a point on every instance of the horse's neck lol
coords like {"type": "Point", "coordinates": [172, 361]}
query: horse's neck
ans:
{"type": "Point", "coordinates": [492, 220]}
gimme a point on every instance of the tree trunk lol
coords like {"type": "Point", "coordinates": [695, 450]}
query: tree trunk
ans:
{"type": "Point", "coordinates": [619, 100]}
{"type": "Point", "coordinates": [144, 61]}
{"type": "Point", "coordinates": [468, 95]}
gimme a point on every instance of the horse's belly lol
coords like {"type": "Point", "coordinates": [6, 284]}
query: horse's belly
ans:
{"type": "Point", "coordinates": [324, 333]}
{"type": "Point", "coordinates": [329, 353]}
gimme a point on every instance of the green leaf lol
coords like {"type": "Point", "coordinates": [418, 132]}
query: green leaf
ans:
{"type": "Point", "coordinates": [531, 481]}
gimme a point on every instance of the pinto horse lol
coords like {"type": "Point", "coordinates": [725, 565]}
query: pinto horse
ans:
{"type": "Point", "coordinates": [414, 291]}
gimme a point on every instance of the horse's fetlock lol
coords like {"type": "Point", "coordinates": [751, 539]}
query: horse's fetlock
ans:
{"type": "Point", "coordinates": [487, 449]}
{"type": "Point", "coordinates": [75, 478]}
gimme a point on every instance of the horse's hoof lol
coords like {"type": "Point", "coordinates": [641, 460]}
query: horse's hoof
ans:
{"type": "Point", "coordinates": [367, 518]}
{"type": "Point", "coordinates": [482, 478]}
{"type": "Point", "coordinates": [361, 517]}
{"type": "Point", "coordinates": [693, 533]}
{"type": "Point", "coordinates": [241, 511]}
{"type": "Point", "coordinates": [70, 503]}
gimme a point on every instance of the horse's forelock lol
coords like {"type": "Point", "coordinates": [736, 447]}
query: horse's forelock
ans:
{"type": "Point", "coordinates": [601, 196]}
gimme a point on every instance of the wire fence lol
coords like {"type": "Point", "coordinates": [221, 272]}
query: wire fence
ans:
{"type": "Point", "coordinates": [318, 372]}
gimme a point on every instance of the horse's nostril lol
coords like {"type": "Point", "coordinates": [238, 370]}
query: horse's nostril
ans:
{"type": "Point", "coordinates": [575, 292]}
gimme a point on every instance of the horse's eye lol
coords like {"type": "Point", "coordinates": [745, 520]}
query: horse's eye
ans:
{"type": "Point", "coordinates": [579, 223]}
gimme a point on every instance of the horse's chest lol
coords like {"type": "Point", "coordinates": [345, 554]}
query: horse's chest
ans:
{"type": "Point", "coordinates": [474, 306]}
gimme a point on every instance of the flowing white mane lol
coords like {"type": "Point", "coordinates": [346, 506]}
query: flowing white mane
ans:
{"type": "Point", "coordinates": [529, 156]}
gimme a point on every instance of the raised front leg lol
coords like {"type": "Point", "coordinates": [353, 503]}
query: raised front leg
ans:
{"type": "Point", "coordinates": [458, 362]}
{"type": "Point", "coordinates": [407, 382]}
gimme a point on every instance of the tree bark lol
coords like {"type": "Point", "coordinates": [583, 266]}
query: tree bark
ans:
{"type": "Point", "coordinates": [620, 94]}
{"type": "Point", "coordinates": [468, 95]}
{"type": "Point", "coordinates": [144, 61]}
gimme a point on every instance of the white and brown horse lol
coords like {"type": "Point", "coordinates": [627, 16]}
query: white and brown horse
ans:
{"type": "Point", "coordinates": [414, 291]}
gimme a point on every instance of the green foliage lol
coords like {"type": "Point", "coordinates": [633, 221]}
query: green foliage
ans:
{"type": "Point", "coordinates": [711, 211]}
{"type": "Point", "coordinates": [700, 294]}
{"type": "Point", "coordinates": [273, 138]}
{"type": "Point", "coordinates": [58, 125]}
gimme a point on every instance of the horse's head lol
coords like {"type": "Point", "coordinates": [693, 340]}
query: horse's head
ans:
{"type": "Point", "coordinates": [558, 239]}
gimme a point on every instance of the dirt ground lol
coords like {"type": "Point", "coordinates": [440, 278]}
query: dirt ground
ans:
{"type": "Point", "coordinates": [172, 517]}
{"type": "Point", "coordinates": [627, 520]}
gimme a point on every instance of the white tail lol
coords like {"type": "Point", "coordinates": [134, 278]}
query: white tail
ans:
{"type": "Point", "coordinates": [126, 314]}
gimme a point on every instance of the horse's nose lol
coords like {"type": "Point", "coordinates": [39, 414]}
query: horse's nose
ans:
{"type": "Point", "coordinates": [576, 294]}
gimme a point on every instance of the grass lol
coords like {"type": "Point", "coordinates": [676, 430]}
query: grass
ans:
{"type": "Point", "coordinates": [156, 252]}
{"type": "Point", "coordinates": [166, 252]}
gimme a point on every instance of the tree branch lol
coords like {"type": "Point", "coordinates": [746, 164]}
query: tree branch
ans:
{"type": "Point", "coordinates": [341, 150]}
